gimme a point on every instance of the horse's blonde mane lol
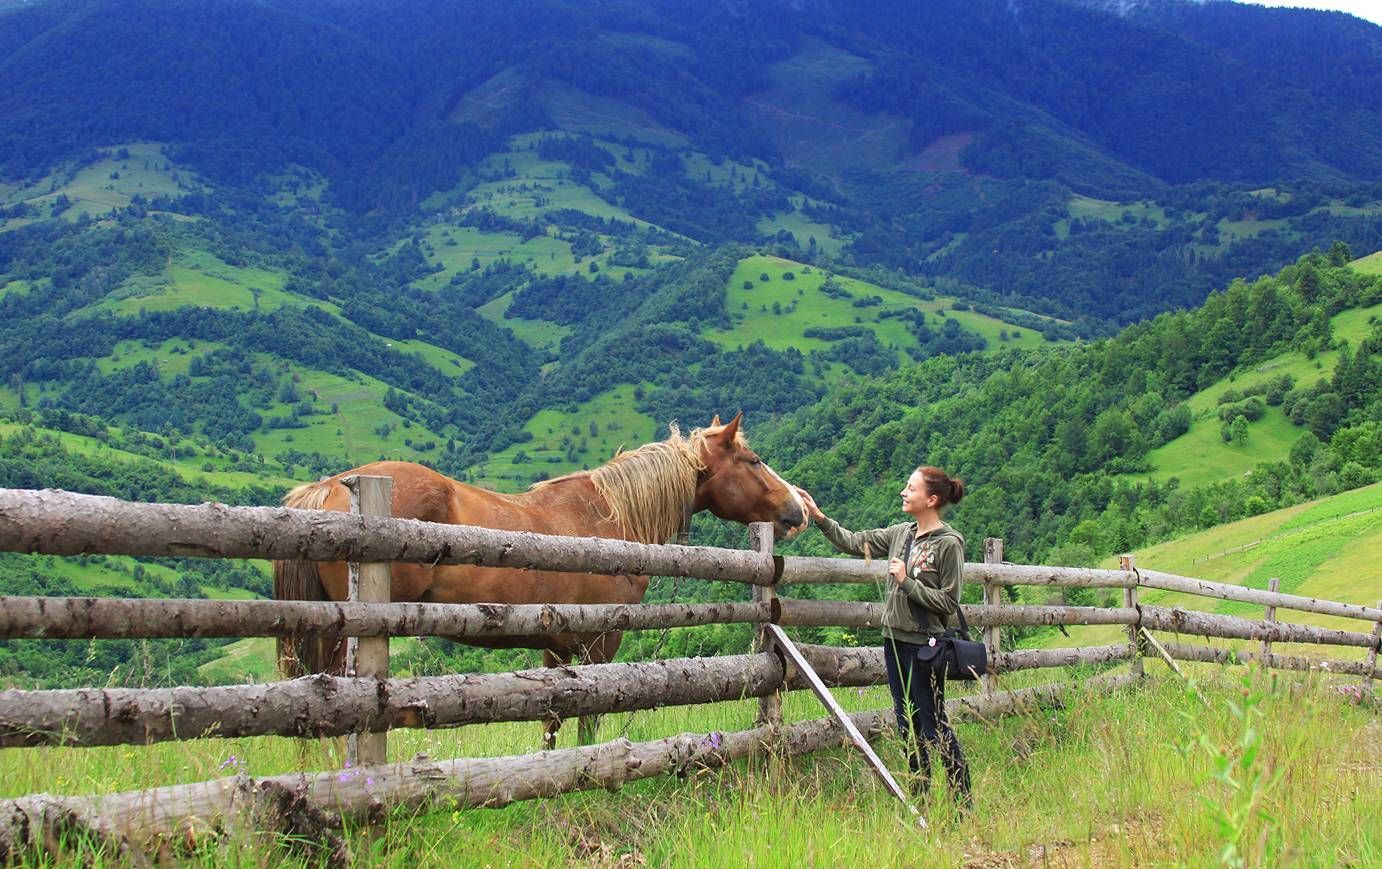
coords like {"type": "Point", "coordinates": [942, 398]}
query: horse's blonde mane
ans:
{"type": "Point", "coordinates": [650, 490]}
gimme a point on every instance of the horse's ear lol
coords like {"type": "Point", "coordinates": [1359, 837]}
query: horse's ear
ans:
{"type": "Point", "coordinates": [716, 420]}
{"type": "Point", "coordinates": [732, 430]}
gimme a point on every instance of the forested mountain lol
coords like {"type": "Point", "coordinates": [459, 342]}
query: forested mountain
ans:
{"type": "Point", "coordinates": [1078, 159]}
{"type": "Point", "coordinates": [248, 243]}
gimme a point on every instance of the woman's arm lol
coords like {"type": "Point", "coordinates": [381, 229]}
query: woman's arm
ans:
{"type": "Point", "coordinates": [877, 540]}
{"type": "Point", "coordinates": [950, 559]}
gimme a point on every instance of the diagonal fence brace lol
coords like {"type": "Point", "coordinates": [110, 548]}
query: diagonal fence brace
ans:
{"type": "Point", "coordinates": [795, 657]}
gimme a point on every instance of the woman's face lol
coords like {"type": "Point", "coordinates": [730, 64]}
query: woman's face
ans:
{"type": "Point", "coordinates": [915, 501]}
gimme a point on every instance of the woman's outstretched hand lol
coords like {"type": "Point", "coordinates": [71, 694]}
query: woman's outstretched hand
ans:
{"type": "Point", "coordinates": [809, 503]}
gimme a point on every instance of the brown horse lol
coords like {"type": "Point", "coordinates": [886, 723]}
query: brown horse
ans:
{"type": "Point", "coordinates": [647, 495]}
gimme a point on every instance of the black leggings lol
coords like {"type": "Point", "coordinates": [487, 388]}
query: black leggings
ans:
{"type": "Point", "coordinates": [919, 688]}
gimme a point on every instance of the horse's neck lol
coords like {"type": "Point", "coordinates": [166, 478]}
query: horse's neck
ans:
{"type": "Point", "coordinates": [655, 513]}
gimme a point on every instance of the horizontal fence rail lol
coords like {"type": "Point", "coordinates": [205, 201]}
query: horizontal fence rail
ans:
{"type": "Point", "coordinates": [322, 705]}
{"type": "Point", "coordinates": [1182, 621]}
{"type": "Point", "coordinates": [1225, 591]}
{"type": "Point", "coordinates": [1208, 655]}
{"type": "Point", "coordinates": [815, 570]}
{"type": "Point", "coordinates": [62, 523]}
{"type": "Point", "coordinates": [863, 614]}
{"type": "Point", "coordinates": [124, 618]}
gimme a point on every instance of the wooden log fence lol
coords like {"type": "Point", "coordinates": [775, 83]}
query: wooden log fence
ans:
{"type": "Point", "coordinates": [64, 524]}
{"type": "Point", "coordinates": [150, 819]}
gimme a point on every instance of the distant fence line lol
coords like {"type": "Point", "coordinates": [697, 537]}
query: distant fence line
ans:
{"type": "Point", "coordinates": [62, 523]}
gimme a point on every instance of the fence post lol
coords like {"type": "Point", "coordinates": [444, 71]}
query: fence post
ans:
{"type": "Point", "coordinates": [1129, 563]}
{"type": "Point", "coordinates": [1372, 655]}
{"type": "Point", "coordinates": [1270, 613]}
{"type": "Point", "coordinates": [993, 596]}
{"type": "Point", "coordinates": [369, 583]}
{"type": "Point", "coordinates": [761, 541]}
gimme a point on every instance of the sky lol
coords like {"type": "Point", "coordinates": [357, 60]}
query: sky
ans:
{"type": "Point", "coordinates": [1369, 9]}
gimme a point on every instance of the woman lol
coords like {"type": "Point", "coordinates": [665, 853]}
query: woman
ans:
{"type": "Point", "coordinates": [925, 559]}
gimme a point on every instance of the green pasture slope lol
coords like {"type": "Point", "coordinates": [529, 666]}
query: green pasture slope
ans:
{"type": "Point", "coordinates": [350, 415]}
{"type": "Point", "coordinates": [1200, 456]}
{"type": "Point", "coordinates": [571, 439]}
{"type": "Point", "coordinates": [1326, 548]}
{"type": "Point", "coordinates": [801, 306]}
{"type": "Point", "coordinates": [98, 188]}
{"type": "Point", "coordinates": [188, 458]}
{"type": "Point", "coordinates": [199, 279]}
{"type": "Point", "coordinates": [518, 184]}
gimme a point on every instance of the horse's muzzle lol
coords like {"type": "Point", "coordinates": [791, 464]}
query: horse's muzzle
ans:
{"type": "Point", "coordinates": [790, 523]}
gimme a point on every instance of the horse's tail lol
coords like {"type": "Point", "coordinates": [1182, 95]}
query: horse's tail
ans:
{"type": "Point", "coordinates": [300, 654]}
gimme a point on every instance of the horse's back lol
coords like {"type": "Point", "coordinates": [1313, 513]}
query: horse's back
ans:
{"type": "Point", "coordinates": [418, 491]}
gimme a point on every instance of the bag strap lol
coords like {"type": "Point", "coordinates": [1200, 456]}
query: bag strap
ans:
{"type": "Point", "coordinates": [960, 611]}
{"type": "Point", "coordinates": [906, 565]}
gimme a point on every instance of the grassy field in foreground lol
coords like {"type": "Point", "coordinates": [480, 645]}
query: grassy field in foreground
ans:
{"type": "Point", "coordinates": [1101, 782]}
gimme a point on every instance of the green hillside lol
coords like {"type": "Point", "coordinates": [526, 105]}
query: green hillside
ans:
{"type": "Point", "coordinates": [1325, 548]}
{"type": "Point", "coordinates": [780, 311]}
{"type": "Point", "coordinates": [1202, 456]}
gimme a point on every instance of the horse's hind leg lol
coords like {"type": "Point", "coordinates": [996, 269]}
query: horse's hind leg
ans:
{"type": "Point", "coordinates": [552, 725]}
{"type": "Point", "coordinates": [601, 651]}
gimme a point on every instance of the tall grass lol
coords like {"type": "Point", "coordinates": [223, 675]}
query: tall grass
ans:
{"type": "Point", "coordinates": [1249, 769]}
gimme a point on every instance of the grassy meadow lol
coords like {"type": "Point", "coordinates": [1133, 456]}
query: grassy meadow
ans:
{"type": "Point", "coordinates": [1200, 456]}
{"type": "Point", "coordinates": [572, 439]}
{"type": "Point", "coordinates": [101, 186]}
{"type": "Point", "coordinates": [1152, 775]}
{"type": "Point", "coordinates": [1326, 549]}
{"type": "Point", "coordinates": [801, 306]}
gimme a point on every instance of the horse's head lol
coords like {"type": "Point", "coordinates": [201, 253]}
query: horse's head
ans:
{"type": "Point", "coordinates": [739, 486]}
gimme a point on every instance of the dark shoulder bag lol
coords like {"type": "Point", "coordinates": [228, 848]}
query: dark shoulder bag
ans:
{"type": "Point", "coordinates": [965, 659]}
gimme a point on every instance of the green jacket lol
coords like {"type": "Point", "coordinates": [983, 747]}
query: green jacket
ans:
{"type": "Point", "coordinates": [922, 605]}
